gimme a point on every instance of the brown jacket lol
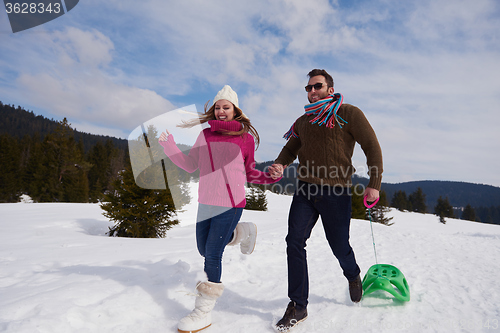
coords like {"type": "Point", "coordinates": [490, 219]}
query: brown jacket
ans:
{"type": "Point", "coordinates": [325, 153]}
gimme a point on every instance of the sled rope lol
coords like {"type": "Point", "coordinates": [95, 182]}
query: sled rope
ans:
{"type": "Point", "coordinates": [369, 206]}
{"type": "Point", "coordinates": [373, 238]}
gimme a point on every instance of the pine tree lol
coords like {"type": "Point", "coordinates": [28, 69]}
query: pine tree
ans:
{"type": "Point", "coordinates": [400, 201]}
{"type": "Point", "coordinates": [75, 181]}
{"type": "Point", "coordinates": [63, 167]}
{"type": "Point", "coordinates": [443, 209]}
{"type": "Point", "coordinates": [262, 199]}
{"type": "Point", "coordinates": [10, 187]}
{"type": "Point", "coordinates": [256, 198]}
{"type": "Point", "coordinates": [138, 212]}
{"type": "Point", "coordinates": [378, 211]}
{"type": "Point", "coordinates": [417, 201]}
{"type": "Point", "coordinates": [105, 162]}
{"type": "Point", "coordinates": [28, 146]}
{"type": "Point", "coordinates": [469, 213]}
{"type": "Point", "coordinates": [33, 178]}
{"type": "Point", "coordinates": [99, 161]}
{"type": "Point", "coordinates": [45, 168]}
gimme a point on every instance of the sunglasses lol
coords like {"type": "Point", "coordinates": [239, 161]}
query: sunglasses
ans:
{"type": "Point", "coordinates": [316, 86]}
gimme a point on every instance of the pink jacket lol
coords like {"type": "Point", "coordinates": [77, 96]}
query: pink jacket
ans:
{"type": "Point", "coordinates": [226, 163]}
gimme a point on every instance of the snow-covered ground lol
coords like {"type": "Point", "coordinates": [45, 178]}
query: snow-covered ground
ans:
{"type": "Point", "coordinates": [59, 272]}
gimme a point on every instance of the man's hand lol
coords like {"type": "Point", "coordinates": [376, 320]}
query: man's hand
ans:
{"type": "Point", "coordinates": [371, 194]}
{"type": "Point", "coordinates": [276, 171]}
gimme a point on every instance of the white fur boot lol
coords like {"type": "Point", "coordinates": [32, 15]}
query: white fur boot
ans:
{"type": "Point", "coordinates": [201, 317]}
{"type": "Point", "coordinates": [245, 234]}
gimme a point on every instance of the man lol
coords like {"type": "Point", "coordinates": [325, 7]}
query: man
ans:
{"type": "Point", "coordinates": [324, 139]}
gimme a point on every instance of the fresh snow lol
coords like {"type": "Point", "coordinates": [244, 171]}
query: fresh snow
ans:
{"type": "Point", "coordinates": [59, 272]}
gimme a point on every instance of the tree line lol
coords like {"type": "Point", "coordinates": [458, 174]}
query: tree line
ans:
{"type": "Point", "coordinates": [56, 167]}
{"type": "Point", "coordinates": [415, 202]}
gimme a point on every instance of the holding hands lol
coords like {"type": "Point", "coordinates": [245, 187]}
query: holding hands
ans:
{"type": "Point", "coordinates": [276, 170]}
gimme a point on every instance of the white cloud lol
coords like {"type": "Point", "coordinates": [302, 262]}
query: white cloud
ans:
{"type": "Point", "coordinates": [78, 86]}
{"type": "Point", "coordinates": [462, 22]}
{"type": "Point", "coordinates": [87, 48]}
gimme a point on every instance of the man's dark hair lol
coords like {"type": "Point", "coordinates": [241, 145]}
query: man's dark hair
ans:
{"type": "Point", "coordinates": [328, 77]}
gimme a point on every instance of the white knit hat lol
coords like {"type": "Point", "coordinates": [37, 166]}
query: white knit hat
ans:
{"type": "Point", "coordinates": [228, 94]}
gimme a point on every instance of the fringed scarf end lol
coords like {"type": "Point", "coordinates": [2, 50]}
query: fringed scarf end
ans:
{"type": "Point", "coordinates": [290, 133]}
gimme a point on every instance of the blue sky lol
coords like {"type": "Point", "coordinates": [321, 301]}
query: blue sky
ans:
{"type": "Point", "coordinates": [426, 73]}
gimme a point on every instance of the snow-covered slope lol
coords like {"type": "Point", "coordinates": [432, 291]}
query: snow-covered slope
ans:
{"type": "Point", "coordinates": [60, 273]}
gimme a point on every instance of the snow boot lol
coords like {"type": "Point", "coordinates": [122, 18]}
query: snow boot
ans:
{"type": "Point", "coordinates": [293, 315]}
{"type": "Point", "coordinates": [356, 290]}
{"type": "Point", "coordinates": [201, 317]}
{"type": "Point", "coordinates": [245, 234]}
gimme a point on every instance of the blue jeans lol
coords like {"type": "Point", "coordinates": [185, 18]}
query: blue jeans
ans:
{"type": "Point", "coordinates": [309, 202]}
{"type": "Point", "coordinates": [214, 229]}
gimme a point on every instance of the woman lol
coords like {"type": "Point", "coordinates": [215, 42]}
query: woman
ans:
{"type": "Point", "coordinates": [224, 154]}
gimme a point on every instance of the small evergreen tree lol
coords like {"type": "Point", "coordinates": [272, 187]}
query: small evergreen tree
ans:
{"type": "Point", "coordinates": [443, 209]}
{"type": "Point", "coordinates": [400, 201]}
{"type": "Point", "coordinates": [256, 198]}
{"type": "Point", "coordinates": [469, 213]}
{"type": "Point", "coordinates": [379, 210]}
{"type": "Point", "coordinates": [138, 212]}
{"type": "Point", "coordinates": [417, 201]}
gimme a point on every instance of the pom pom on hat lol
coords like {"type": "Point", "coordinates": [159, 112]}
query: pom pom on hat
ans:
{"type": "Point", "coordinates": [228, 94]}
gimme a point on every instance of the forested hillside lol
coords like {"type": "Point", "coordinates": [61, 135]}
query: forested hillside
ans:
{"type": "Point", "coordinates": [51, 162]}
{"type": "Point", "coordinates": [17, 122]}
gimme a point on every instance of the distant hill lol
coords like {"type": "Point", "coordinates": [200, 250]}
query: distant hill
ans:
{"type": "Point", "coordinates": [460, 194]}
{"type": "Point", "coordinates": [485, 199]}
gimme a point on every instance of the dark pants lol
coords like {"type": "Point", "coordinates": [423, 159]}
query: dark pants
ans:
{"type": "Point", "coordinates": [310, 201]}
{"type": "Point", "coordinates": [214, 230]}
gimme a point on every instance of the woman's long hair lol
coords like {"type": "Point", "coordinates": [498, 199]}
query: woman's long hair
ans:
{"type": "Point", "coordinates": [238, 116]}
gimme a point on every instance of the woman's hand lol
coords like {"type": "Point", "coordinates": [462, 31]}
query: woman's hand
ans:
{"type": "Point", "coordinates": [164, 136]}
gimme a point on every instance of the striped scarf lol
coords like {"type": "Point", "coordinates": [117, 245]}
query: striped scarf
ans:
{"type": "Point", "coordinates": [325, 112]}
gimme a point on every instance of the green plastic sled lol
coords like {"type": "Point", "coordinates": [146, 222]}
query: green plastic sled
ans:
{"type": "Point", "coordinates": [386, 277]}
